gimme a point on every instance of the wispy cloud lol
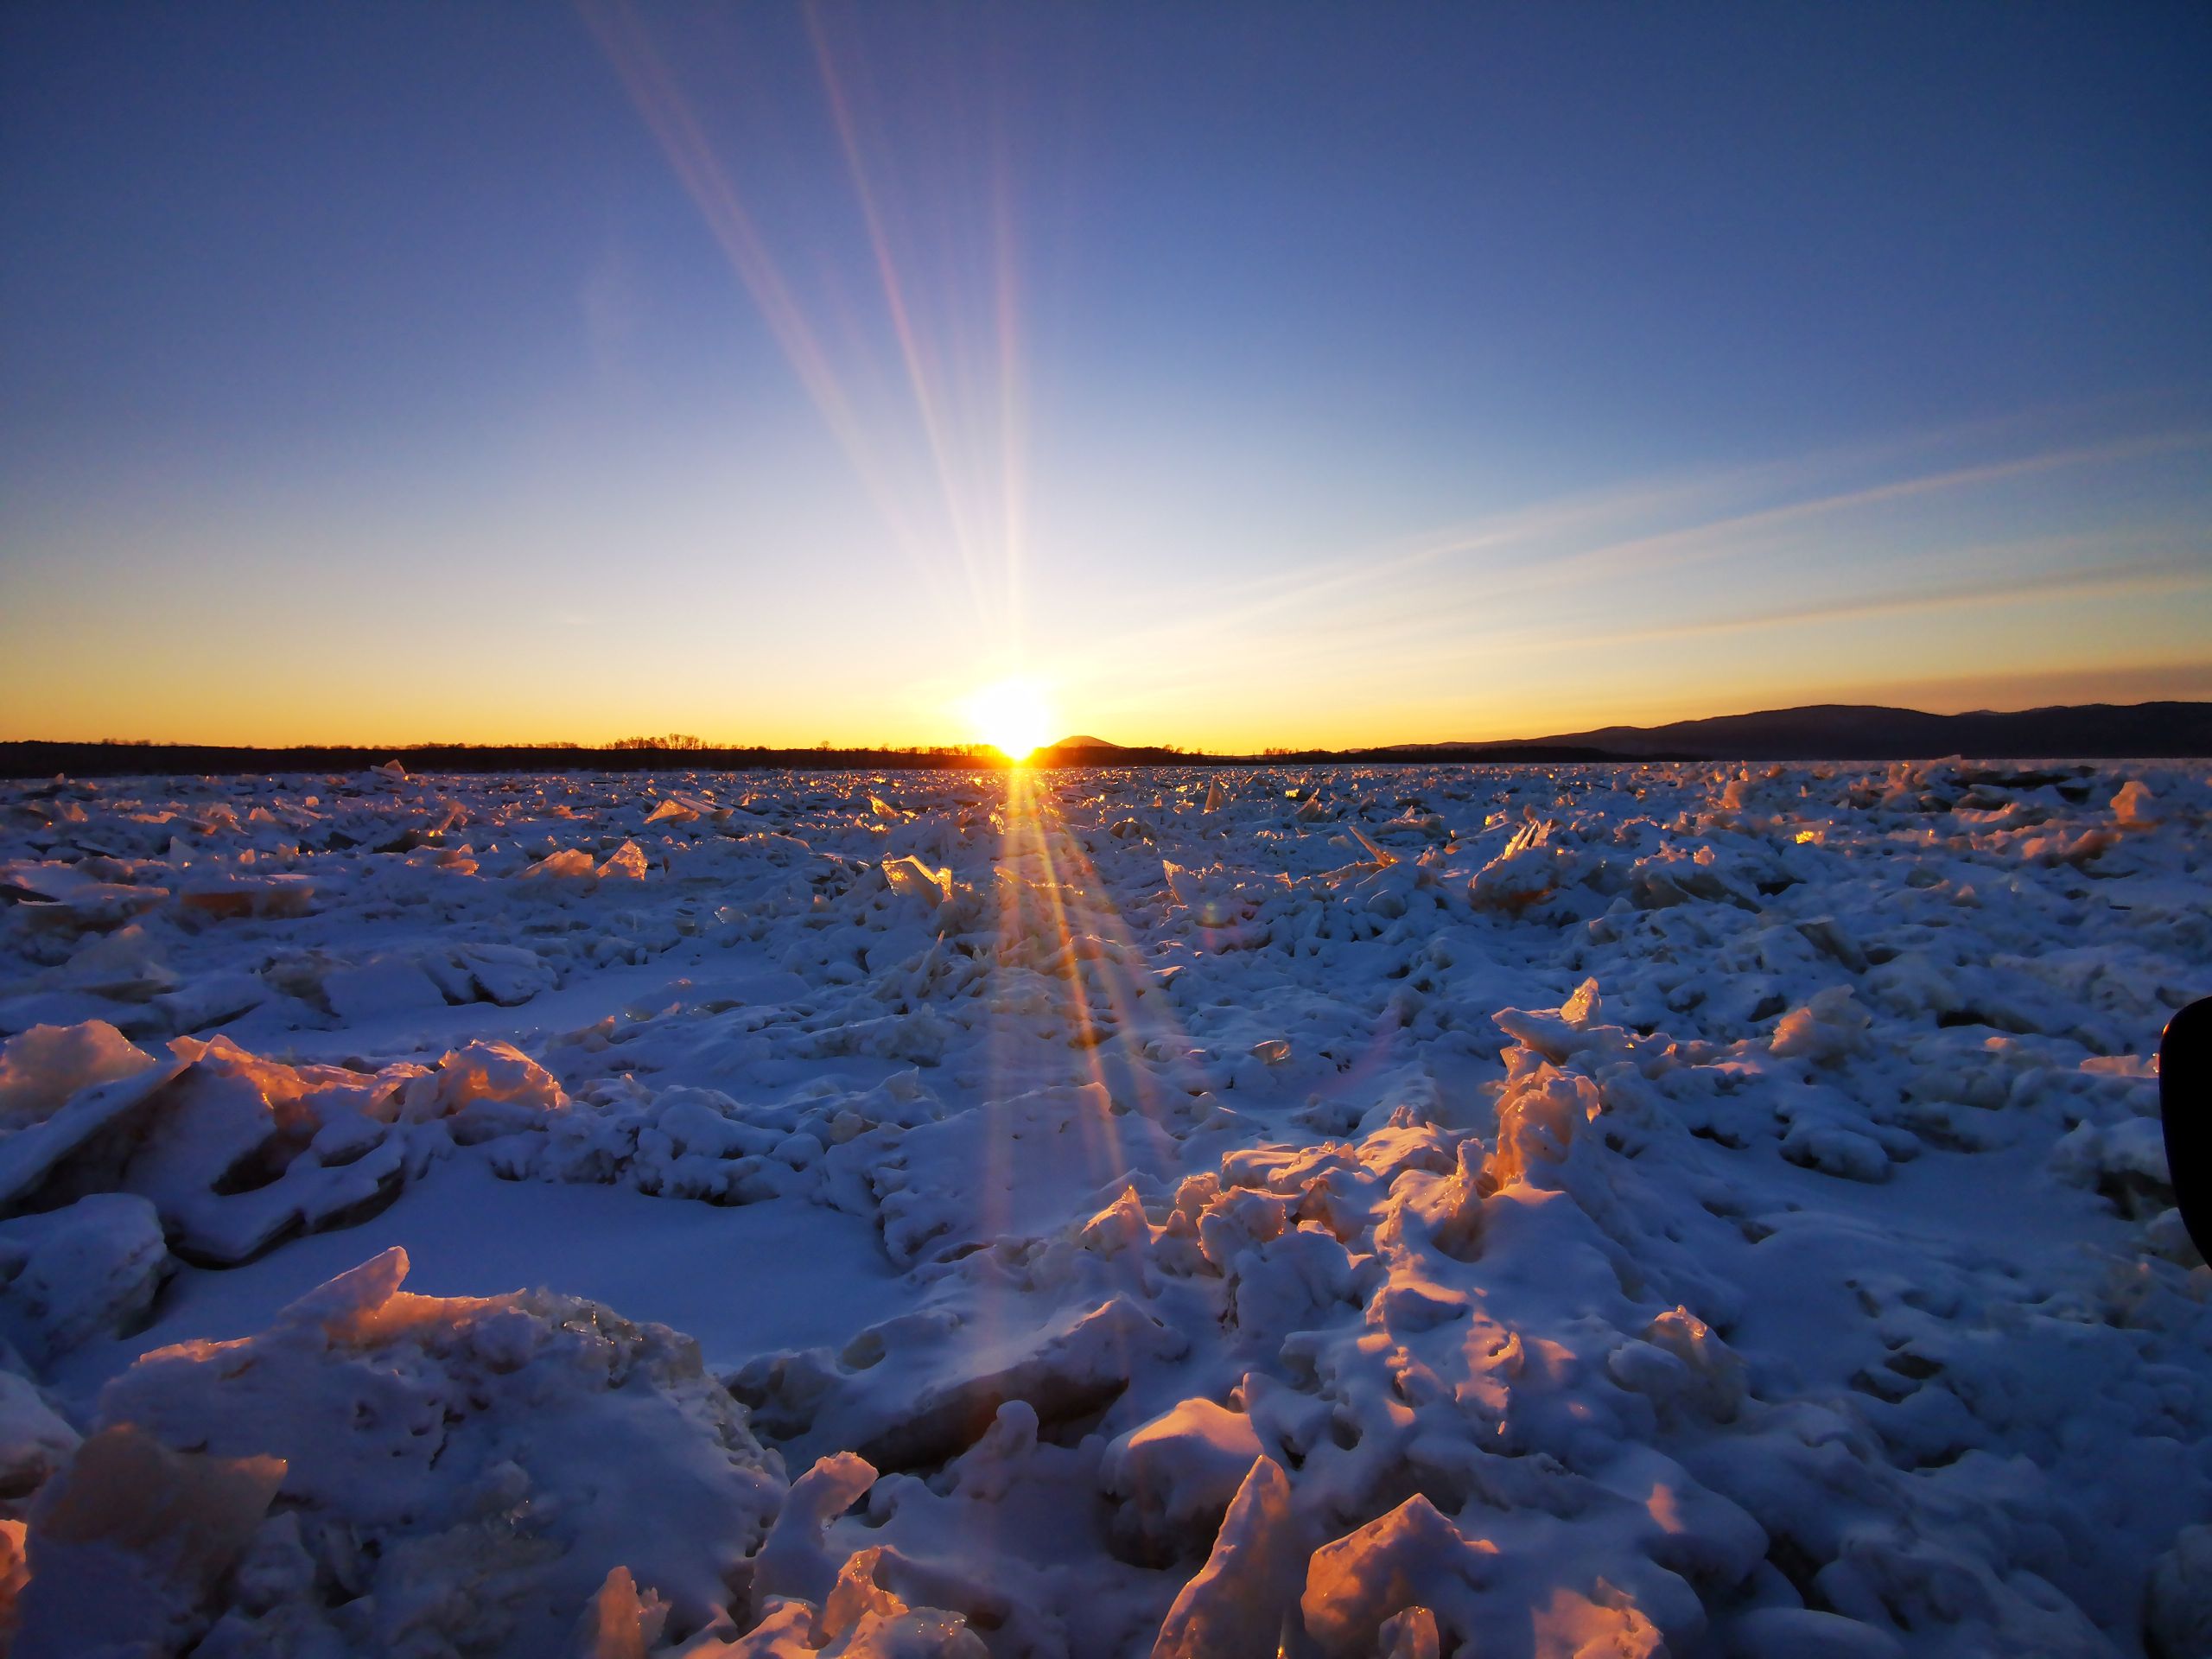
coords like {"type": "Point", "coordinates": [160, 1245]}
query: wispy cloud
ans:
{"type": "Point", "coordinates": [2181, 562]}
{"type": "Point", "coordinates": [1493, 574]}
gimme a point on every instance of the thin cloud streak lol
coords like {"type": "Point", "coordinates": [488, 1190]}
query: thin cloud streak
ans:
{"type": "Point", "coordinates": [1695, 542]}
{"type": "Point", "coordinates": [1530, 565]}
{"type": "Point", "coordinates": [2164, 573]}
{"type": "Point", "coordinates": [1525, 532]}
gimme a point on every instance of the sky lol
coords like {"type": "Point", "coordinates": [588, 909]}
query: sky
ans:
{"type": "Point", "coordinates": [1232, 375]}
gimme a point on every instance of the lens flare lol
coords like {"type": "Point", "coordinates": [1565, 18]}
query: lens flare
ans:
{"type": "Point", "coordinates": [1012, 716]}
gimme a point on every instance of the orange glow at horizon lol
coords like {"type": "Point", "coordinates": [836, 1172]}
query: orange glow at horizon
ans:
{"type": "Point", "coordinates": [1012, 716]}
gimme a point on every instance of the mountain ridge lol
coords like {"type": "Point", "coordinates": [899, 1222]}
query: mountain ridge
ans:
{"type": "Point", "coordinates": [1840, 731]}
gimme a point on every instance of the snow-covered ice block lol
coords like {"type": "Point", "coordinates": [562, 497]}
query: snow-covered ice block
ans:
{"type": "Point", "coordinates": [1178, 1471]}
{"type": "Point", "coordinates": [89, 1269]}
{"type": "Point", "coordinates": [468, 1470]}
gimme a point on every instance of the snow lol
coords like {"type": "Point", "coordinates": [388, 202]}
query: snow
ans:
{"type": "Point", "coordinates": [1406, 1211]}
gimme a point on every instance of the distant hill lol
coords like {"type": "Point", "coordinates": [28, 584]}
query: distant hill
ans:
{"type": "Point", "coordinates": [1098, 752]}
{"type": "Point", "coordinates": [1837, 731]}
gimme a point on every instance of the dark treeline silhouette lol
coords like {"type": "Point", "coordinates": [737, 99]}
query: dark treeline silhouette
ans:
{"type": "Point", "coordinates": [134, 758]}
{"type": "Point", "coordinates": [118, 760]}
{"type": "Point", "coordinates": [2096, 731]}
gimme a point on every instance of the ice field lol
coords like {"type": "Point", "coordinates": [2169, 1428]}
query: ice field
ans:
{"type": "Point", "coordinates": [1406, 1211]}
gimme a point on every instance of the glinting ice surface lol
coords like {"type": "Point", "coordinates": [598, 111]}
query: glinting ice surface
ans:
{"type": "Point", "coordinates": [1586, 1210]}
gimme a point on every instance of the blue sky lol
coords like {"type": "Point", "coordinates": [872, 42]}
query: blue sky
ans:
{"type": "Point", "coordinates": [1239, 375]}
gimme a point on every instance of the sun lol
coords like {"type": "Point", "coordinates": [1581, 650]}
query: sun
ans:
{"type": "Point", "coordinates": [1012, 716]}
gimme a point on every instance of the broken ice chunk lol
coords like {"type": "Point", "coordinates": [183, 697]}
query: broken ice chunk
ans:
{"type": "Point", "coordinates": [91, 1268]}
{"type": "Point", "coordinates": [1234, 1608]}
{"type": "Point", "coordinates": [2132, 806]}
{"type": "Point", "coordinates": [1413, 1556]}
{"type": "Point", "coordinates": [230, 897]}
{"type": "Point", "coordinates": [46, 1065]}
{"type": "Point", "coordinates": [1828, 1029]}
{"type": "Point", "coordinates": [620, 1623]}
{"type": "Point", "coordinates": [795, 1561]}
{"type": "Point", "coordinates": [1179, 1471]}
{"type": "Point", "coordinates": [1409, 1635]}
{"type": "Point", "coordinates": [911, 879]}
{"type": "Point", "coordinates": [128, 1544]}
{"type": "Point", "coordinates": [626, 862]}
{"type": "Point", "coordinates": [570, 863]}
{"type": "Point", "coordinates": [33, 1440]}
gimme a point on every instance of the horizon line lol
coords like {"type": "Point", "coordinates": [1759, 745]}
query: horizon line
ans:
{"type": "Point", "coordinates": [687, 743]}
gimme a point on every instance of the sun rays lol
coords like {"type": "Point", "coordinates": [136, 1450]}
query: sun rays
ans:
{"type": "Point", "coordinates": [923, 392]}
